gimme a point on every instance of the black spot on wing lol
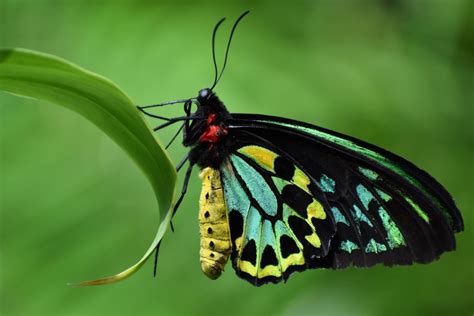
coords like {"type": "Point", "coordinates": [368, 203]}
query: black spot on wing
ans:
{"type": "Point", "coordinates": [249, 253]}
{"type": "Point", "coordinates": [284, 168]}
{"type": "Point", "coordinates": [324, 230]}
{"type": "Point", "coordinates": [297, 199]}
{"type": "Point", "coordinates": [300, 228]}
{"type": "Point", "coordinates": [315, 189]}
{"type": "Point", "coordinates": [236, 226]}
{"type": "Point", "coordinates": [236, 223]}
{"type": "Point", "coordinates": [268, 257]}
{"type": "Point", "coordinates": [288, 246]}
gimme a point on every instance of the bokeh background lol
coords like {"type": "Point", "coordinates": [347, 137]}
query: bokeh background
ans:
{"type": "Point", "coordinates": [399, 74]}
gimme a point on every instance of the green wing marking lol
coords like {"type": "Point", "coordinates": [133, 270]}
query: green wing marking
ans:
{"type": "Point", "coordinates": [373, 155]}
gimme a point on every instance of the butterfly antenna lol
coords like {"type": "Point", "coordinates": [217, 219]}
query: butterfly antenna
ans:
{"type": "Point", "coordinates": [228, 43]}
{"type": "Point", "coordinates": [214, 51]}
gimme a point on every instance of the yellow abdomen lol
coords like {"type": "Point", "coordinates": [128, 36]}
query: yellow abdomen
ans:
{"type": "Point", "coordinates": [213, 224]}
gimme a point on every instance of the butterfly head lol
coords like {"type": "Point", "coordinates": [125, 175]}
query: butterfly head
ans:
{"type": "Point", "coordinates": [208, 102]}
{"type": "Point", "coordinates": [204, 95]}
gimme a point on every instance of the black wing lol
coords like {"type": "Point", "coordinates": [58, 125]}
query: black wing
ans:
{"type": "Point", "coordinates": [384, 209]}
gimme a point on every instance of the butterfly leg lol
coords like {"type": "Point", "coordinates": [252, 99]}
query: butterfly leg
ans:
{"type": "Point", "coordinates": [175, 208]}
{"type": "Point", "coordinates": [175, 135]}
{"type": "Point", "coordinates": [177, 119]}
{"type": "Point", "coordinates": [152, 115]}
{"type": "Point", "coordinates": [165, 103]}
{"type": "Point", "coordinates": [184, 126]}
{"type": "Point", "coordinates": [157, 249]}
{"type": "Point", "coordinates": [183, 192]}
{"type": "Point", "coordinates": [178, 167]}
{"type": "Point", "coordinates": [181, 163]}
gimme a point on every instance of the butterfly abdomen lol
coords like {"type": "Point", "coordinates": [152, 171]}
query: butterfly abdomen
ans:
{"type": "Point", "coordinates": [214, 226]}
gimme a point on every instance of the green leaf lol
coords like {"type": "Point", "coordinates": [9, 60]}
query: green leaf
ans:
{"type": "Point", "coordinates": [41, 76]}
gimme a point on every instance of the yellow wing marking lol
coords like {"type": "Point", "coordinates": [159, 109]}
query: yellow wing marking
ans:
{"type": "Point", "coordinates": [269, 270]}
{"type": "Point", "coordinates": [314, 239]}
{"type": "Point", "coordinates": [316, 210]}
{"type": "Point", "coordinates": [260, 155]}
{"type": "Point", "coordinates": [247, 267]}
{"type": "Point", "coordinates": [301, 180]}
{"type": "Point", "coordinates": [295, 259]}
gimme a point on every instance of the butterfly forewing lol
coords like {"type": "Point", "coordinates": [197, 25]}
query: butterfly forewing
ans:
{"type": "Point", "coordinates": [382, 209]}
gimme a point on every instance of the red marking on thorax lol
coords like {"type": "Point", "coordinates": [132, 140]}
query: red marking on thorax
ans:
{"type": "Point", "coordinates": [211, 118]}
{"type": "Point", "coordinates": [213, 132]}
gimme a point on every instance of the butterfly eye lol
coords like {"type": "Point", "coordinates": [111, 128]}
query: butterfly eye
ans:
{"type": "Point", "coordinates": [204, 94]}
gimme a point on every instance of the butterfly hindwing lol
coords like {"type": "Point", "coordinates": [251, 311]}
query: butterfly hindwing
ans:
{"type": "Point", "coordinates": [277, 225]}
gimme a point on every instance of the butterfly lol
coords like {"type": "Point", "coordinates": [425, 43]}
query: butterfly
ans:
{"type": "Point", "coordinates": [280, 196]}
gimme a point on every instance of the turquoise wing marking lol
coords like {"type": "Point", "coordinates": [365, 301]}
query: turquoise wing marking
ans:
{"type": "Point", "coordinates": [236, 198]}
{"type": "Point", "coordinates": [253, 226]}
{"type": "Point", "coordinates": [260, 189]}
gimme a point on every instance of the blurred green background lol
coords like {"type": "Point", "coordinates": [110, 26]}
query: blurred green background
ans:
{"type": "Point", "coordinates": [399, 74]}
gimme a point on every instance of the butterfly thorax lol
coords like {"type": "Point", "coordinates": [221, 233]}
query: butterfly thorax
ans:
{"type": "Point", "coordinates": [208, 133]}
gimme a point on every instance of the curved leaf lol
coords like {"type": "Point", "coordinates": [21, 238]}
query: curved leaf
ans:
{"type": "Point", "coordinates": [41, 76]}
